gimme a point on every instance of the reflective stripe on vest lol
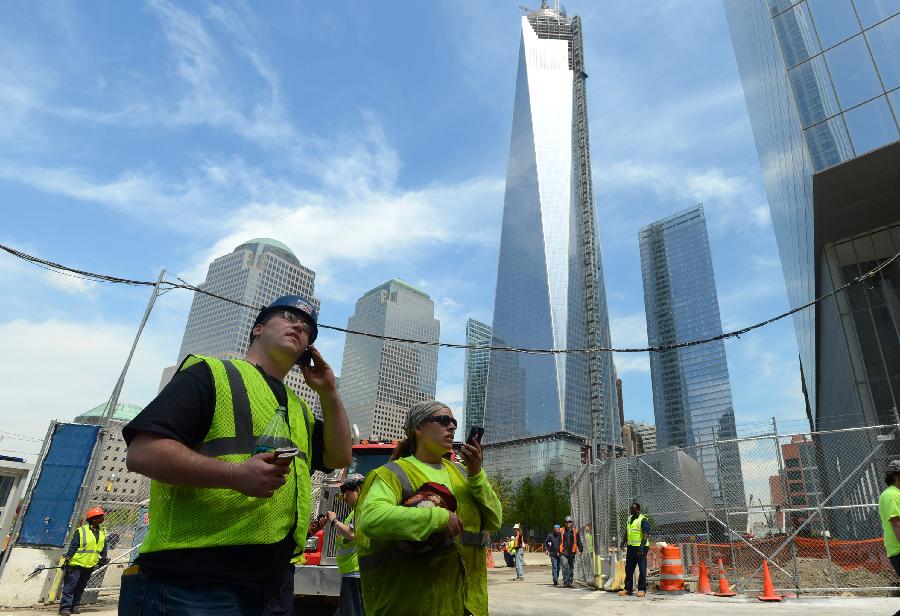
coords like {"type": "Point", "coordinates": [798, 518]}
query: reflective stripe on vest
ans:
{"type": "Point", "coordinates": [89, 547]}
{"type": "Point", "coordinates": [345, 553]}
{"type": "Point", "coordinates": [635, 534]}
{"type": "Point", "coordinates": [186, 517]}
{"type": "Point", "coordinates": [574, 541]}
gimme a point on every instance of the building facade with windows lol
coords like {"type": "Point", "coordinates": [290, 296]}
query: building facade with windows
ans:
{"type": "Point", "coordinates": [822, 83]}
{"type": "Point", "coordinates": [691, 386]}
{"type": "Point", "coordinates": [478, 362]}
{"type": "Point", "coordinates": [115, 484]}
{"type": "Point", "coordinates": [255, 273]}
{"type": "Point", "coordinates": [382, 379]}
{"type": "Point", "coordinates": [550, 291]}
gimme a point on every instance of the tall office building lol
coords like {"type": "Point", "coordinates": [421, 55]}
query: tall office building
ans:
{"type": "Point", "coordinates": [382, 379]}
{"type": "Point", "coordinates": [821, 82]}
{"type": "Point", "coordinates": [255, 273]}
{"type": "Point", "coordinates": [550, 291]}
{"type": "Point", "coordinates": [691, 389]}
{"type": "Point", "coordinates": [477, 364]}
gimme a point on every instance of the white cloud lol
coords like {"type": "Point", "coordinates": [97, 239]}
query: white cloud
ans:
{"type": "Point", "coordinates": [82, 359]}
{"type": "Point", "coordinates": [71, 284]}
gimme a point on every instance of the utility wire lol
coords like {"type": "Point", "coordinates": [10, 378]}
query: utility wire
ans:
{"type": "Point", "coordinates": [168, 286]}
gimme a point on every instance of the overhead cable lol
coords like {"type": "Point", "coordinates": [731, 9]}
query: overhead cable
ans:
{"type": "Point", "coordinates": [166, 286]}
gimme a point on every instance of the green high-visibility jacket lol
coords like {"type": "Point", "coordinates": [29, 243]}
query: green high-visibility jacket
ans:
{"type": "Point", "coordinates": [345, 550]}
{"type": "Point", "coordinates": [187, 517]}
{"type": "Point", "coordinates": [89, 547]}
{"type": "Point", "coordinates": [443, 582]}
{"type": "Point", "coordinates": [635, 532]}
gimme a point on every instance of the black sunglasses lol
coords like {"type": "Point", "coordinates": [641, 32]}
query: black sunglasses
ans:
{"type": "Point", "coordinates": [444, 420]}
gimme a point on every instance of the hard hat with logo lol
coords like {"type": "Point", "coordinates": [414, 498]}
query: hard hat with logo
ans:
{"type": "Point", "coordinates": [352, 482]}
{"type": "Point", "coordinates": [292, 302]}
{"type": "Point", "coordinates": [95, 512]}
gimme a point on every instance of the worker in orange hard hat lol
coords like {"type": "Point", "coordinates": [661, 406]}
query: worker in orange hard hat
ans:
{"type": "Point", "coordinates": [86, 552]}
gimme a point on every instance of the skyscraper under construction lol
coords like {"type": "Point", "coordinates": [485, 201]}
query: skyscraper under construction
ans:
{"type": "Point", "coordinates": [550, 291]}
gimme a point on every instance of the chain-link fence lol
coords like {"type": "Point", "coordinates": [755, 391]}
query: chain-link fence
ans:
{"type": "Point", "coordinates": [807, 503]}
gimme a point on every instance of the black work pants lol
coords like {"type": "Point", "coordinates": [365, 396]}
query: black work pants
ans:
{"type": "Point", "coordinates": [74, 583]}
{"type": "Point", "coordinates": [635, 556]}
{"type": "Point", "coordinates": [282, 604]}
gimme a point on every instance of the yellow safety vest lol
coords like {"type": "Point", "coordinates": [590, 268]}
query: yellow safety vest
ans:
{"type": "Point", "coordinates": [345, 550]}
{"type": "Point", "coordinates": [438, 584]}
{"type": "Point", "coordinates": [187, 517]}
{"type": "Point", "coordinates": [635, 534]}
{"type": "Point", "coordinates": [89, 547]}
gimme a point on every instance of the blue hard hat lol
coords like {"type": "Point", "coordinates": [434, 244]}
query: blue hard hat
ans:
{"type": "Point", "coordinates": [294, 302]}
{"type": "Point", "coordinates": [556, 527]}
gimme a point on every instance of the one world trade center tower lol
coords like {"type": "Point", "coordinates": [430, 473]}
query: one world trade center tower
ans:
{"type": "Point", "coordinates": [550, 291]}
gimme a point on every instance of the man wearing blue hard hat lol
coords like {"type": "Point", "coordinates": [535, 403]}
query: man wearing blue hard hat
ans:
{"type": "Point", "coordinates": [226, 514]}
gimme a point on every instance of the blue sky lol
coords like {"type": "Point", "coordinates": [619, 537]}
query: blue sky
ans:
{"type": "Point", "coordinates": [371, 138]}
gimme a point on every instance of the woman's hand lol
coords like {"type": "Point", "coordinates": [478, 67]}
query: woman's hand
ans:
{"type": "Point", "coordinates": [454, 527]}
{"type": "Point", "coordinates": [473, 456]}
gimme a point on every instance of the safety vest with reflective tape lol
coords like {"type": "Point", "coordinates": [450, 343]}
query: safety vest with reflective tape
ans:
{"type": "Point", "coordinates": [562, 541]}
{"type": "Point", "coordinates": [187, 517]}
{"type": "Point", "coordinates": [635, 534]}
{"type": "Point", "coordinates": [345, 550]}
{"type": "Point", "coordinates": [443, 582]}
{"type": "Point", "coordinates": [90, 547]}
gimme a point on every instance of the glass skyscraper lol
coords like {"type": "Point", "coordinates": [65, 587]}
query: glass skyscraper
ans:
{"type": "Point", "coordinates": [691, 388]}
{"type": "Point", "coordinates": [822, 83]}
{"type": "Point", "coordinates": [382, 379]}
{"type": "Point", "coordinates": [477, 364]}
{"type": "Point", "coordinates": [550, 291]}
{"type": "Point", "coordinates": [255, 273]}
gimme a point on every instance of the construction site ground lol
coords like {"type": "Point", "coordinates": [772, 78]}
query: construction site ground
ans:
{"type": "Point", "coordinates": [537, 595]}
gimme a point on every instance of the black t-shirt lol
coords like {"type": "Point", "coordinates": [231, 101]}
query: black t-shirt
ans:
{"type": "Point", "coordinates": [183, 411]}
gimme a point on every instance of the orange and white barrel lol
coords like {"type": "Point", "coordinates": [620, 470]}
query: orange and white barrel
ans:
{"type": "Point", "coordinates": [671, 573]}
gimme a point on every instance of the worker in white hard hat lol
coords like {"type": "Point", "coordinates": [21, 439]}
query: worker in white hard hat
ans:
{"type": "Point", "coordinates": [519, 546]}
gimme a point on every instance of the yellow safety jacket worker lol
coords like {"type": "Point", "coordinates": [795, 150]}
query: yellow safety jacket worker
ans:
{"type": "Point", "coordinates": [345, 550]}
{"type": "Point", "coordinates": [394, 581]}
{"type": "Point", "coordinates": [188, 517]}
{"type": "Point", "coordinates": [511, 546]}
{"type": "Point", "coordinates": [635, 532]}
{"type": "Point", "coordinates": [89, 547]}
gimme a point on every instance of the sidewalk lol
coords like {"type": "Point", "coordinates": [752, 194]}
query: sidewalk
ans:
{"type": "Point", "coordinates": [537, 596]}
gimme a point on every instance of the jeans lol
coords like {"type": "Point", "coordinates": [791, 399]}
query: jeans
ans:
{"type": "Point", "coordinates": [568, 567]}
{"type": "Point", "coordinates": [141, 596]}
{"type": "Point", "coordinates": [635, 556]}
{"type": "Point", "coordinates": [520, 562]}
{"type": "Point", "coordinates": [74, 583]}
{"type": "Point", "coordinates": [351, 597]}
{"type": "Point", "coordinates": [282, 604]}
{"type": "Point", "coordinates": [554, 566]}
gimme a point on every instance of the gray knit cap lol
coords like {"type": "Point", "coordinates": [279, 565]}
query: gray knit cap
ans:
{"type": "Point", "coordinates": [419, 413]}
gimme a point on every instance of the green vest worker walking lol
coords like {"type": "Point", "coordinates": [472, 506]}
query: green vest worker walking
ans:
{"type": "Point", "coordinates": [889, 510]}
{"type": "Point", "coordinates": [225, 520]}
{"type": "Point", "coordinates": [345, 550]}
{"type": "Point", "coordinates": [86, 552]}
{"type": "Point", "coordinates": [636, 555]}
{"type": "Point", "coordinates": [426, 559]}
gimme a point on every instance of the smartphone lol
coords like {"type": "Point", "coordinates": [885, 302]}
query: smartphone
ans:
{"type": "Point", "coordinates": [475, 432]}
{"type": "Point", "coordinates": [285, 455]}
{"type": "Point", "coordinates": [305, 359]}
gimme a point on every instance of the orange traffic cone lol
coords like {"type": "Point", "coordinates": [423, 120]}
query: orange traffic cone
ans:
{"type": "Point", "coordinates": [724, 587]}
{"type": "Point", "coordinates": [490, 558]}
{"type": "Point", "coordinates": [768, 588]}
{"type": "Point", "coordinates": [703, 586]}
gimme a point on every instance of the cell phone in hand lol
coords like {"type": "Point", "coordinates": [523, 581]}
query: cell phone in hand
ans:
{"type": "Point", "coordinates": [305, 359]}
{"type": "Point", "coordinates": [475, 432]}
{"type": "Point", "coordinates": [285, 455]}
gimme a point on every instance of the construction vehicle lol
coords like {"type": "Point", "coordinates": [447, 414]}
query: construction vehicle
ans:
{"type": "Point", "coordinates": [318, 580]}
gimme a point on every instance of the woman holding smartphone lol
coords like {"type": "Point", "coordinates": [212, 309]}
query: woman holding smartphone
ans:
{"type": "Point", "coordinates": [418, 557]}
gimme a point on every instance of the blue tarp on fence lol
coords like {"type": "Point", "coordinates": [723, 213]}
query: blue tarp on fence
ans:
{"type": "Point", "coordinates": [46, 521]}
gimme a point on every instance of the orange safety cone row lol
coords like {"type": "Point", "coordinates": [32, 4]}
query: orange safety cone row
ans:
{"type": "Point", "coordinates": [490, 558]}
{"type": "Point", "coordinates": [724, 587]}
{"type": "Point", "coordinates": [703, 586]}
{"type": "Point", "coordinates": [768, 588]}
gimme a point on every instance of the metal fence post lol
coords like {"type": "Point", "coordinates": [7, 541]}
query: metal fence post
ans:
{"type": "Point", "coordinates": [784, 497]}
{"type": "Point", "coordinates": [734, 564]}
